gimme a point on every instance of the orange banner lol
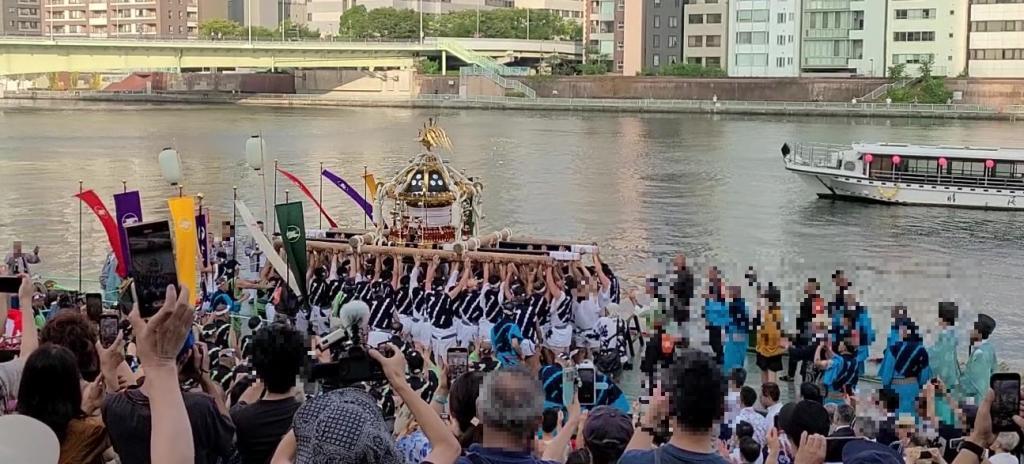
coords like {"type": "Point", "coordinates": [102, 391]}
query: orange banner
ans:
{"type": "Point", "coordinates": [186, 242]}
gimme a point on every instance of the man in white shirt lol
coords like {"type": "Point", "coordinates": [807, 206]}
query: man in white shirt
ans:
{"type": "Point", "coordinates": [748, 398]}
{"type": "Point", "coordinates": [770, 401]}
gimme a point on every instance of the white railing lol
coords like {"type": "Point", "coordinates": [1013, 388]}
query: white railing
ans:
{"type": "Point", "coordinates": [885, 88]}
{"type": "Point", "coordinates": [818, 155]}
{"type": "Point", "coordinates": [509, 84]}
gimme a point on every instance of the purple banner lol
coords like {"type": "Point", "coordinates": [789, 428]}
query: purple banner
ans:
{"type": "Point", "coordinates": [345, 187]}
{"type": "Point", "coordinates": [128, 210]}
{"type": "Point", "coordinates": [204, 244]}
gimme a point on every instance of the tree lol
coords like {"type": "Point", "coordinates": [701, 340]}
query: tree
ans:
{"type": "Point", "coordinates": [687, 70]}
{"type": "Point", "coordinates": [294, 31]}
{"type": "Point", "coordinates": [220, 29]}
{"type": "Point", "coordinates": [897, 72]}
{"type": "Point", "coordinates": [391, 23]}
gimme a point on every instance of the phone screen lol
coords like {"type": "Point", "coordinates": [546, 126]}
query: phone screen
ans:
{"type": "Point", "coordinates": [10, 284]}
{"type": "Point", "coordinates": [568, 385]}
{"type": "Point", "coordinates": [1007, 402]}
{"type": "Point", "coordinates": [458, 362]}
{"type": "Point", "coordinates": [109, 324]}
{"type": "Point", "coordinates": [152, 257]}
{"type": "Point", "coordinates": [93, 302]}
{"type": "Point", "coordinates": [588, 390]}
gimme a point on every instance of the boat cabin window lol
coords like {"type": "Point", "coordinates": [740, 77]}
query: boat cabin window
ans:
{"type": "Point", "coordinates": [1008, 169]}
{"type": "Point", "coordinates": [920, 166]}
{"type": "Point", "coordinates": [966, 168]}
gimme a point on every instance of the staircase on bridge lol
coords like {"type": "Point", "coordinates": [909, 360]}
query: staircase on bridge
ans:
{"type": "Point", "coordinates": [883, 89]}
{"type": "Point", "coordinates": [482, 65]}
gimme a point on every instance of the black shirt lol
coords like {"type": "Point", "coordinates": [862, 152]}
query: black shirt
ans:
{"type": "Point", "coordinates": [526, 317]}
{"type": "Point", "coordinates": [490, 304]}
{"type": "Point", "coordinates": [382, 306]}
{"type": "Point", "coordinates": [260, 427]}
{"type": "Point", "coordinates": [129, 425]}
{"type": "Point", "coordinates": [217, 333]}
{"type": "Point", "coordinates": [564, 310]}
{"type": "Point", "coordinates": [469, 307]}
{"type": "Point", "coordinates": [441, 311]}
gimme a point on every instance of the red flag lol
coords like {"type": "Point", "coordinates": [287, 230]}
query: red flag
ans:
{"type": "Point", "coordinates": [296, 181]}
{"type": "Point", "coordinates": [96, 205]}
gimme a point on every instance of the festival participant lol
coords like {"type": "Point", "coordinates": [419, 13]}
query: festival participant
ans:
{"type": "Point", "coordinates": [942, 356]}
{"type": "Point", "coordinates": [611, 356]}
{"type": "Point", "coordinates": [905, 368]}
{"type": "Point", "coordinates": [800, 433]}
{"type": "Point", "coordinates": [682, 290]}
{"type": "Point", "coordinates": [748, 398]}
{"type": "Point", "coordinates": [264, 412]}
{"type": "Point", "coordinates": [847, 307]}
{"type": "Point", "coordinates": [769, 334]}
{"type": "Point", "coordinates": [561, 310]}
{"type": "Point", "coordinates": [841, 434]}
{"type": "Point", "coordinates": [803, 347]}
{"type": "Point", "coordinates": [491, 299]}
{"type": "Point", "coordinates": [981, 363]}
{"type": "Point", "coordinates": [128, 413]}
{"type": "Point", "coordinates": [346, 425]}
{"type": "Point", "coordinates": [900, 320]}
{"type": "Point", "coordinates": [51, 392]}
{"type": "Point", "coordinates": [73, 331]}
{"type": "Point", "coordinates": [716, 313]}
{"type": "Point", "coordinates": [418, 300]}
{"type": "Point", "coordinates": [586, 308]}
{"type": "Point", "coordinates": [382, 301]}
{"type": "Point", "coordinates": [770, 395]}
{"type": "Point", "coordinates": [840, 371]}
{"type": "Point", "coordinates": [441, 308]}
{"type": "Point", "coordinates": [468, 311]}
{"type": "Point", "coordinates": [737, 331]}
{"type": "Point", "coordinates": [506, 338]}
{"type": "Point", "coordinates": [529, 310]}
{"type": "Point", "coordinates": [696, 388]}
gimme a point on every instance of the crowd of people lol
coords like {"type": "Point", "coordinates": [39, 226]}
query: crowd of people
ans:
{"type": "Point", "coordinates": [398, 360]}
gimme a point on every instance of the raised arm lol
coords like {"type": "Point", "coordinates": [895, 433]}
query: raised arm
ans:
{"type": "Point", "coordinates": [414, 276]}
{"type": "Point", "coordinates": [453, 275]}
{"type": "Point", "coordinates": [554, 289]}
{"type": "Point", "coordinates": [606, 283]}
{"type": "Point", "coordinates": [334, 267]}
{"type": "Point", "coordinates": [431, 270]}
{"type": "Point", "coordinates": [29, 331]}
{"type": "Point", "coordinates": [506, 285]}
{"type": "Point", "coordinates": [378, 264]}
{"type": "Point", "coordinates": [396, 271]}
{"type": "Point", "coordinates": [467, 272]}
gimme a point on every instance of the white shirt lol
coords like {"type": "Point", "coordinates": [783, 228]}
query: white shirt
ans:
{"type": "Point", "coordinates": [606, 327]}
{"type": "Point", "coordinates": [755, 419]}
{"type": "Point", "coordinates": [771, 412]}
{"type": "Point", "coordinates": [1003, 458]}
{"type": "Point", "coordinates": [586, 313]}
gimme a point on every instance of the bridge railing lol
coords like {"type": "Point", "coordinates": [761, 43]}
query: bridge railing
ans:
{"type": "Point", "coordinates": [509, 84]}
{"type": "Point", "coordinates": [469, 56]}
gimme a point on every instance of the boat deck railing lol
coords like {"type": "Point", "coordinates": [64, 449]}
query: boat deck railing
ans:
{"type": "Point", "coordinates": [1014, 183]}
{"type": "Point", "coordinates": [818, 155]}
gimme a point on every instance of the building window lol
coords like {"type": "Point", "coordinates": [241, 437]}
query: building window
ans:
{"type": "Point", "coordinates": [673, 41]}
{"type": "Point", "coordinates": [997, 26]}
{"type": "Point", "coordinates": [672, 59]}
{"type": "Point", "coordinates": [789, 38]}
{"type": "Point", "coordinates": [673, 21]}
{"type": "Point", "coordinates": [780, 40]}
{"type": "Point", "coordinates": [913, 58]}
{"type": "Point", "coordinates": [620, 25]}
{"type": "Point", "coordinates": [789, 61]}
{"type": "Point", "coordinates": [919, 13]}
{"type": "Point", "coordinates": [713, 62]}
{"type": "Point", "coordinates": [621, 5]}
{"type": "Point", "coordinates": [657, 21]}
{"type": "Point", "coordinates": [780, 62]}
{"type": "Point", "coordinates": [713, 41]}
{"type": "Point", "coordinates": [997, 54]}
{"type": "Point", "coordinates": [656, 60]}
{"type": "Point", "coordinates": [780, 18]}
{"type": "Point", "coordinates": [715, 18]}
{"type": "Point", "coordinates": [751, 16]}
{"type": "Point", "coordinates": [791, 16]}
{"type": "Point", "coordinates": [656, 40]}
{"type": "Point", "coordinates": [697, 19]}
{"type": "Point", "coordinates": [693, 60]}
{"type": "Point", "coordinates": [170, 29]}
{"type": "Point", "coordinates": [917, 36]}
{"type": "Point", "coordinates": [752, 59]}
{"type": "Point", "coordinates": [752, 38]}
{"type": "Point", "coordinates": [695, 41]}
{"type": "Point", "coordinates": [619, 45]}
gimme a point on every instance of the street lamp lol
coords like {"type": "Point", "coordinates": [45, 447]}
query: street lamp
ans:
{"type": "Point", "coordinates": [419, 4]}
{"type": "Point", "coordinates": [872, 61]}
{"type": "Point", "coordinates": [248, 13]}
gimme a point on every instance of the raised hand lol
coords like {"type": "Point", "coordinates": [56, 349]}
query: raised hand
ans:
{"type": "Point", "coordinates": [812, 449]}
{"type": "Point", "coordinates": [159, 340]}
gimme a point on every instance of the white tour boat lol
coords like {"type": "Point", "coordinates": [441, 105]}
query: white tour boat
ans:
{"type": "Point", "coordinates": [895, 173]}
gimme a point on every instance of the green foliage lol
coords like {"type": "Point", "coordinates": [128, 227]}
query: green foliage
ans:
{"type": "Point", "coordinates": [429, 66]}
{"type": "Point", "coordinates": [391, 23]}
{"type": "Point", "coordinates": [594, 68]}
{"type": "Point", "coordinates": [224, 29]}
{"type": "Point", "coordinates": [897, 72]}
{"type": "Point", "coordinates": [515, 94]}
{"type": "Point", "coordinates": [687, 70]}
{"type": "Point", "coordinates": [927, 89]}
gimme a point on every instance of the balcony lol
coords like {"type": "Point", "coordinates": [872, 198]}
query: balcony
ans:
{"type": "Point", "coordinates": [97, 7]}
{"type": "Point", "coordinates": [824, 61]}
{"type": "Point", "coordinates": [827, 5]}
{"type": "Point", "coordinates": [98, 21]}
{"type": "Point", "coordinates": [28, 2]}
{"type": "Point", "coordinates": [826, 33]}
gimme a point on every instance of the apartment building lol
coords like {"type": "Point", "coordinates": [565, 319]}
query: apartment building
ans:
{"type": "Point", "coordinates": [20, 17]}
{"type": "Point", "coordinates": [927, 30]}
{"type": "Point", "coordinates": [754, 45]}
{"type": "Point", "coordinates": [706, 27]}
{"type": "Point", "coordinates": [996, 40]}
{"type": "Point", "coordinates": [121, 18]}
{"type": "Point", "coordinates": [604, 31]}
{"type": "Point", "coordinates": [323, 15]}
{"type": "Point", "coordinates": [662, 33]}
{"type": "Point", "coordinates": [842, 37]}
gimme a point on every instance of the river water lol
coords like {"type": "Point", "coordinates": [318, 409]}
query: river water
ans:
{"type": "Point", "coordinates": [642, 186]}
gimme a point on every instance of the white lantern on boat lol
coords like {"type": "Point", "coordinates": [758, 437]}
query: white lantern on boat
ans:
{"type": "Point", "coordinates": [254, 149]}
{"type": "Point", "coordinates": [170, 165]}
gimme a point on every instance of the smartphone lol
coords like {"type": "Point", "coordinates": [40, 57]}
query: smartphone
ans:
{"type": "Point", "coordinates": [587, 393]}
{"type": "Point", "coordinates": [152, 258]}
{"type": "Point", "coordinates": [568, 385]}
{"type": "Point", "coordinates": [10, 284]}
{"type": "Point", "coordinates": [458, 362]}
{"type": "Point", "coordinates": [1006, 386]}
{"type": "Point", "coordinates": [93, 303]}
{"type": "Point", "coordinates": [109, 325]}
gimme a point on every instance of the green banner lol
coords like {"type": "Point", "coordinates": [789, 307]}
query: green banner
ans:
{"type": "Point", "coordinates": [293, 236]}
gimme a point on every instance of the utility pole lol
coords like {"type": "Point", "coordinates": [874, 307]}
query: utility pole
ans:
{"type": "Point", "coordinates": [248, 15]}
{"type": "Point", "coordinates": [478, 21]}
{"type": "Point", "coordinates": [419, 5]}
{"type": "Point", "coordinates": [527, 24]}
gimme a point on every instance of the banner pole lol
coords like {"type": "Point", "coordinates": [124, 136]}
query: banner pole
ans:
{"type": "Point", "coordinates": [364, 193]}
{"type": "Point", "coordinates": [124, 186]}
{"type": "Point", "coordinates": [234, 220]}
{"type": "Point", "coordinates": [80, 190]}
{"type": "Point", "coordinates": [274, 218]}
{"type": "Point", "coordinates": [321, 200]}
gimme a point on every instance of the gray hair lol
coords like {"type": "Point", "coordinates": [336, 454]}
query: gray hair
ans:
{"type": "Point", "coordinates": [1007, 441]}
{"type": "Point", "coordinates": [512, 401]}
{"type": "Point", "coordinates": [845, 414]}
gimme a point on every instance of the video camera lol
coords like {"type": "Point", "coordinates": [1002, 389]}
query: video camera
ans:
{"type": "Point", "coordinates": [350, 359]}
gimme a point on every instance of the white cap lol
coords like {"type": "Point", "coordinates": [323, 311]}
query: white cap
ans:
{"type": "Point", "coordinates": [27, 441]}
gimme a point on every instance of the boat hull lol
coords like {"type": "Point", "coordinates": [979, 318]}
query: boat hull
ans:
{"type": "Point", "coordinates": [840, 185]}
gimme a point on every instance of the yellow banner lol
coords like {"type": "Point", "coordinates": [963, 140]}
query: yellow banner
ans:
{"type": "Point", "coordinates": [371, 185]}
{"type": "Point", "coordinates": [186, 243]}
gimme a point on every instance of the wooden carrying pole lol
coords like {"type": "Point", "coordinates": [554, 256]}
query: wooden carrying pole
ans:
{"type": "Point", "coordinates": [482, 241]}
{"type": "Point", "coordinates": [446, 255]}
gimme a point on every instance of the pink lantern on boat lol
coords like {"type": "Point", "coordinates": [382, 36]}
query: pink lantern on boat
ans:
{"type": "Point", "coordinates": [990, 164]}
{"type": "Point", "coordinates": [868, 158]}
{"type": "Point", "coordinates": [896, 159]}
{"type": "Point", "coordinates": [943, 162]}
